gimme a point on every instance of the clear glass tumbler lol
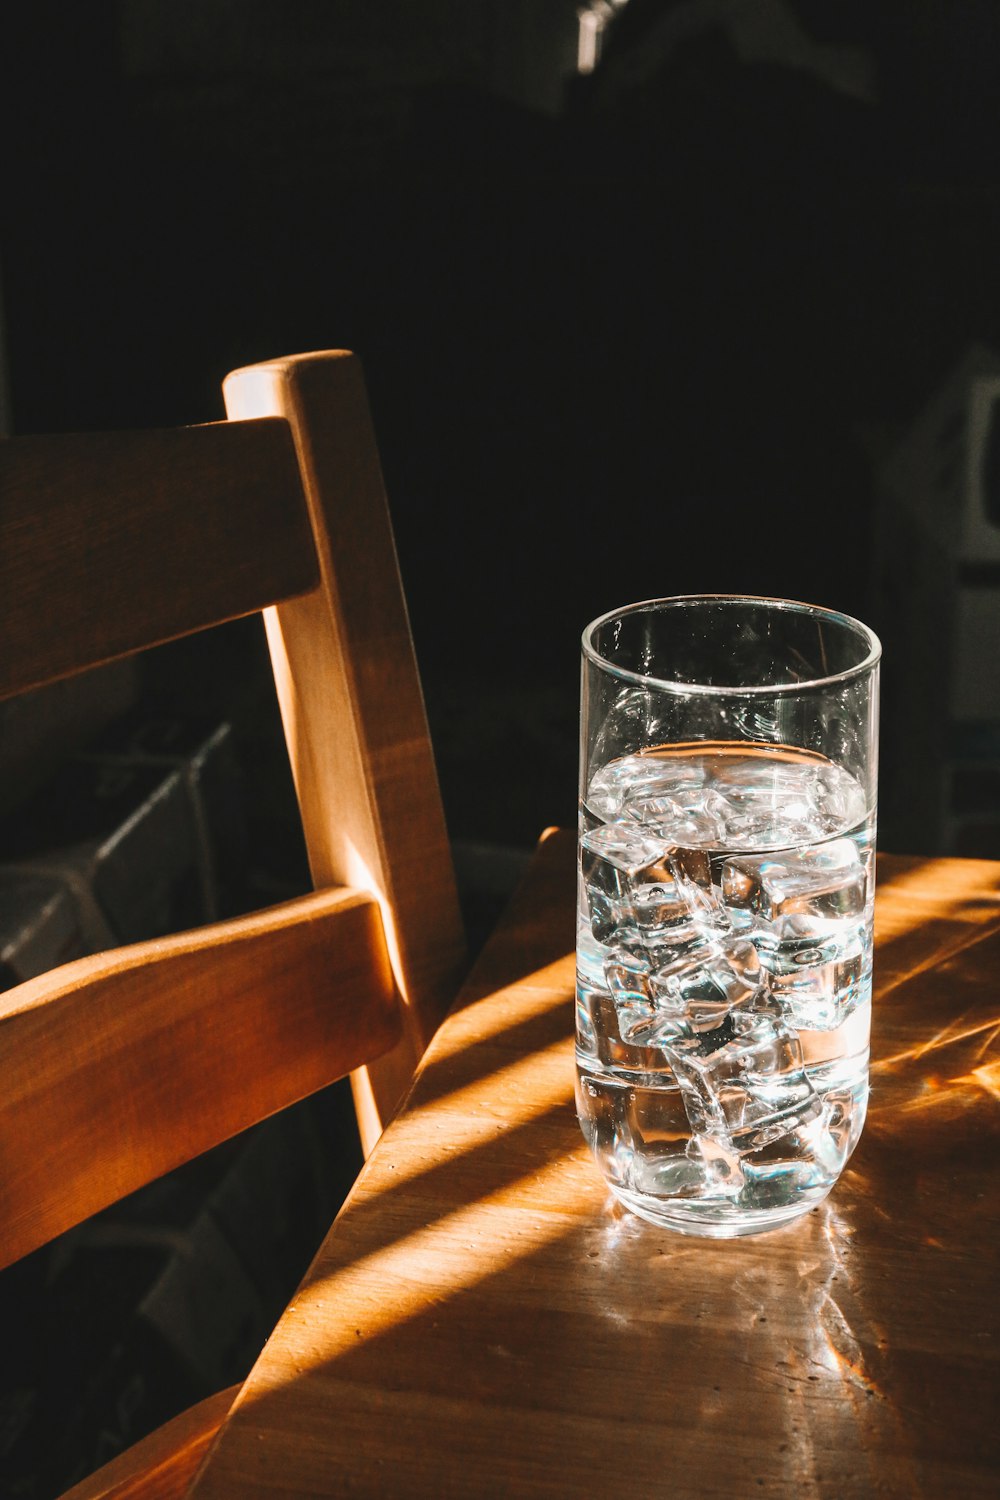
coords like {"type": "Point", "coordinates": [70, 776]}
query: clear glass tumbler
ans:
{"type": "Point", "coordinates": [728, 778]}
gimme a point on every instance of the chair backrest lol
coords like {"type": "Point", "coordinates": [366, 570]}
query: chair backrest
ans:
{"type": "Point", "coordinates": [120, 1066]}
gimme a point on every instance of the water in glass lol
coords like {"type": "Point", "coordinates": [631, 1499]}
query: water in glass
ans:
{"type": "Point", "coordinates": [724, 963]}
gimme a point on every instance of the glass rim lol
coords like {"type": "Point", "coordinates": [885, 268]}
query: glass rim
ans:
{"type": "Point", "coordinates": [769, 690]}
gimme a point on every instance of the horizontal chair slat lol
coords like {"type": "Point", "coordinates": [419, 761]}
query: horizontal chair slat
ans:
{"type": "Point", "coordinates": [119, 1067]}
{"type": "Point", "coordinates": [162, 1465]}
{"type": "Point", "coordinates": [98, 561]}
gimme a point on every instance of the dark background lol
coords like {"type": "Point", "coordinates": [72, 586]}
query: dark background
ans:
{"type": "Point", "coordinates": [641, 332]}
{"type": "Point", "coordinates": [647, 330]}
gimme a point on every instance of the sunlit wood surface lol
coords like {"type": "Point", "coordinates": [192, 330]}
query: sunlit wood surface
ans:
{"type": "Point", "coordinates": [484, 1321]}
{"type": "Point", "coordinates": [121, 1065]}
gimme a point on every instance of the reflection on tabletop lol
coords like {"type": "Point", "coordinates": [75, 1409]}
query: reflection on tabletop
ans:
{"type": "Point", "coordinates": [487, 1320]}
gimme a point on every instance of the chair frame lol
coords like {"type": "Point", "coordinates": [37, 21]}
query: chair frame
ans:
{"type": "Point", "coordinates": [133, 1061]}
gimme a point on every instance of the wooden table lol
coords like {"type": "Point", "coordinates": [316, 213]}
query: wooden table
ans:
{"type": "Point", "coordinates": [483, 1320]}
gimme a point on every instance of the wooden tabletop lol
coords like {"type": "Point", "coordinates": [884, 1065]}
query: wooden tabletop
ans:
{"type": "Point", "coordinates": [484, 1320]}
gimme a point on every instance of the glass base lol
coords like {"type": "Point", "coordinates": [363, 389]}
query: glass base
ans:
{"type": "Point", "coordinates": [717, 1221]}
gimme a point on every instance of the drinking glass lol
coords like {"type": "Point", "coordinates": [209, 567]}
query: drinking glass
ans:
{"type": "Point", "coordinates": [727, 816]}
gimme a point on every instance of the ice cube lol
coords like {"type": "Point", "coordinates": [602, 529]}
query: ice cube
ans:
{"type": "Point", "coordinates": [642, 890]}
{"type": "Point", "coordinates": [839, 799]}
{"type": "Point", "coordinates": [744, 777]}
{"type": "Point", "coordinates": [768, 828]}
{"type": "Point", "coordinates": [685, 1168]}
{"type": "Point", "coordinates": [759, 816]}
{"type": "Point", "coordinates": [812, 887]}
{"type": "Point", "coordinates": [793, 801]}
{"type": "Point", "coordinates": [719, 1162]}
{"type": "Point", "coordinates": [816, 984]}
{"type": "Point", "coordinates": [685, 815]}
{"type": "Point", "coordinates": [774, 803]}
{"type": "Point", "coordinates": [703, 983]}
{"type": "Point", "coordinates": [665, 776]}
{"type": "Point", "coordinates": [617, 852]}
{"type": "Point", "coordinates": [600, 1038]}
{"type": "Point", "coordinates": [661, 816]}
{"type": "Point", "coordinates": [662, 905]}
{"type": "Point", "coordinates": [631, 776]}
{"type": "Point", "coordinates": [810, 1154]}
{"type": "Point", "coordinates": [643, 1021]}
{"type": "Point", "coordinates": [744, 1082]}
{"type": "Point", "coordinates": [612, 857]}
{"type": "Point", "coordinates": [627, 979]}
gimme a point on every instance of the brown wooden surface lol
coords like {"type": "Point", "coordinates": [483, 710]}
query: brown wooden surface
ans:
{"type": "Point", "coordinates": [485, 1321]}
{"type": "Point", "coordinates": [118, 1067]}
{"type": "Point", "coordinates": [114, 541]}
{"type": "Point", "coordinates": [352, 705]}
{"type": "Point", "coordinates": [162, 1465]}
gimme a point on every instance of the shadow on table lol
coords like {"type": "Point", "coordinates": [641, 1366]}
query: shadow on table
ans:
{"type": "Point", "coordinates": [848, 1352]}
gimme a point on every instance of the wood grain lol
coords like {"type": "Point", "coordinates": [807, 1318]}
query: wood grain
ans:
{"type": "Point", "coordinates": [484, 1321]}
{"type": "Point", "coordinates": [118, 1067]}
{"type": "Point", "coordinates": [352, 705]}
{"type": "Point", "coordinates": [116, 541]}
{"type": "Point", "coordinates": [162, 1465]}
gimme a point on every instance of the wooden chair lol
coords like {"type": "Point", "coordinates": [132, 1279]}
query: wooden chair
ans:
{"type": "Point", "coordinates": [117, 1068]}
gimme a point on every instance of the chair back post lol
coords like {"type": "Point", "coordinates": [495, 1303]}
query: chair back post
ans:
{"type": "Point", "coordinates": [355, 720]}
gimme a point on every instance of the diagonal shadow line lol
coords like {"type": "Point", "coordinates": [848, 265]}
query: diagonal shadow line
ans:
{"type": "Point", "coordinates": [365, 1354]}
{"type": "Point", "coordinates": [456, 1069]}
{"type": "Point", "coordinates": [447, 1072]}
{"type": "Point", "coordinates": [517, 1151]}
{"type": "Point", "coordinates": [513, 1152]}
{"type": "Point", "coordinates": [526, 945]}
{"type": "Point", "coordinates": [435, 1193]}
{"type": "Point", "coordinates": [962, 1028]}
{"type": "Point", "coordinates": [939, 1017]}
{"type": "Point", "coordinates": [942, 939]}
{"type": "Point", "coordinates": [945, 883]}
{"type": "Point", "coordinates": [525, 942]}
{"type": "Point", "coordinates": [957, 887]}
{"type": "Point", "coordinates": [915, 870]}
{"type": "Point", "coordinates": [964, 942]}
